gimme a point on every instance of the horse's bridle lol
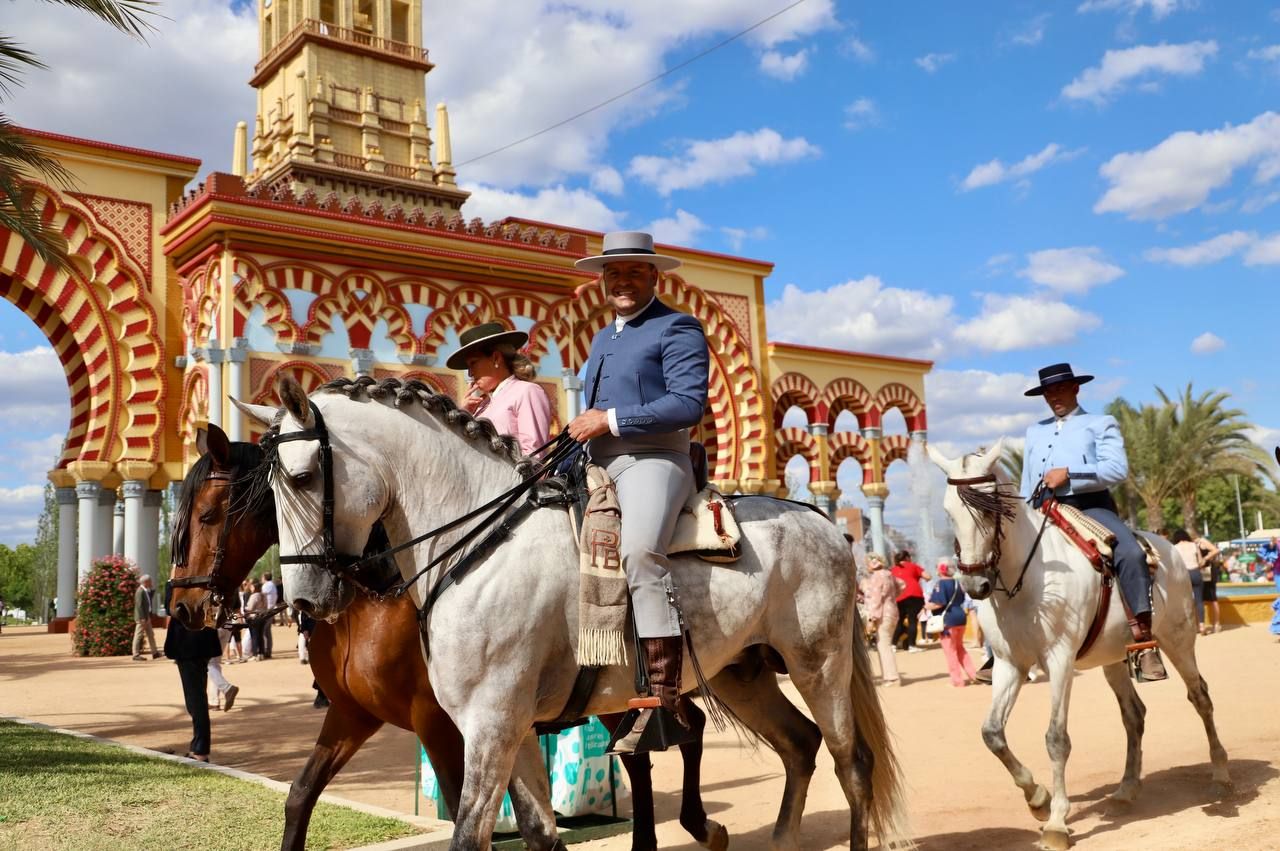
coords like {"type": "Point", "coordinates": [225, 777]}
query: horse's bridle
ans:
{"type": "Point", "coordinates": [349, 568]}
{"type": "Point", "coordinates": [218, 596]}
{"type": "Point", "coordinates": [992, 564]}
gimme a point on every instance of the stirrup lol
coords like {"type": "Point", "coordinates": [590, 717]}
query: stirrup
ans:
{"type": "Point", "coordinates": [1133, 661]}
{"type": "Point", "coordinates": [648, 726]}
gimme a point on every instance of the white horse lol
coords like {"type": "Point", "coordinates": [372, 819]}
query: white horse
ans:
{"type": "Point", "coordinates": [1046, 622]}
{"type": "Point", "coordinates": [501, 640]}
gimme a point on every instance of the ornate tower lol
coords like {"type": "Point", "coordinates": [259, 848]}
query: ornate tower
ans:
{"type": "Point", "coordinates": [341, 92]}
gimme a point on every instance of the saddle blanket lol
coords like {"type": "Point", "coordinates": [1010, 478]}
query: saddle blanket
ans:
{"type": "Point", "coordinates": [1085, 532]}
{"type": "Point", "coordinates": [707, 528]}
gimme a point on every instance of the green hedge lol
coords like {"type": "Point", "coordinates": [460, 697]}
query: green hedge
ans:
{"type": "Point", "coordinates": [104, 613]}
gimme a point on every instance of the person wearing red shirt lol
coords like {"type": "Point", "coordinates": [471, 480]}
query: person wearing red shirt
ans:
{"type": "Point", "coordinates": [910, 601]}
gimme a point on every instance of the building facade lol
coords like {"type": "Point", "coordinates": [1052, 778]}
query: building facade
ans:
{"type": "Point", "coordinates": [340, 246]}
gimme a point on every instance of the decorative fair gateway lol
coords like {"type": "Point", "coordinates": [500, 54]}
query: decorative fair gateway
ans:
{"type": "Point", "coordinates": [339, 246]}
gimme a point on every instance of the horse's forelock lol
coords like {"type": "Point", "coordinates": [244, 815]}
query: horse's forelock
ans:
{"type": "Point", "coordinates": [246, 495]}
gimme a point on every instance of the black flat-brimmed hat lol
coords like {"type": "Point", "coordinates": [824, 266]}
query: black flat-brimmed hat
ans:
{"type": "Point", "coordinates": [628, 246]}
{"type": "Point", "coordinates": [490, 333]}
{"type": "Point", "coordinates": [1056, 374]}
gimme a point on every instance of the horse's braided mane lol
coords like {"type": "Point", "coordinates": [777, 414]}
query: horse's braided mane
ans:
{"type": "Point", "coordinates": [400, 393]}
{"type": "Point", "coordinates": [988, 505]}
{"type": "Point", "coordinates": [246, 494]}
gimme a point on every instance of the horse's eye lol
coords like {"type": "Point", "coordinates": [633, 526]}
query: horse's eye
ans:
{"type": "Point", "coordinates": [301, 480]}
{"type": "Point", "coordinates": [209, 516]}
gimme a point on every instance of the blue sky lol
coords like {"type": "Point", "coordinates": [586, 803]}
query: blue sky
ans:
{"type": "Point", "coordinates": [995, 186]}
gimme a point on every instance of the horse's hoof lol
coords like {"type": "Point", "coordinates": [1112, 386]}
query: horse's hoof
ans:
{"type": "Point", "coordinates": [717, 836]}
{"type": "Point", "coordinates": [1221, 789]}
{"type": "Point", "coordinates": [1039, 803]}
{"type": "Point", "coordinates": [1054, 840]}
{"type": "Point", "coordinates": [1119, 806]}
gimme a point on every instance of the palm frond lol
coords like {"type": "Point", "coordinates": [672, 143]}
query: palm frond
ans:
{"type": "Point", "coordinates": [128, 16]}
{"type": "Point", "coordinates": [12, 57]}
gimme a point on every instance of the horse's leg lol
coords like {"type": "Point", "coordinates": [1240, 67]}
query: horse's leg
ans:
{"type": "Point", "coordinates": [639, 768]}
{"type": "Point", "coordinates": [1181, 651]}
{"type": "Point", "coordinates": [531, 798]}
{"type": "Point", "coordinates": [1054, 836]}
{"type": "Point", "coordinates": [693, 815]}
{"type": "Point", "coordinates": [1006, 682]}
{"type": "Point", "coordinates": [1133, 712]}
{"type": "Point", "coordinates": [492, 743]}
{"type": "Point", "coordinates": [760, 704]}
{"type": "Point", "coordinates": [344, 731]}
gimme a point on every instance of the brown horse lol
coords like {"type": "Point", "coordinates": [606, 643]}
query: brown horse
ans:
{"type": "Point", "coordinates": [222, 528]}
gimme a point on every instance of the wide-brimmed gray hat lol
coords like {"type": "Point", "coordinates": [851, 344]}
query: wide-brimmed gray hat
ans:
{"type": "Point", "coordinates": [628, 246]}
{"type": "Point", "coordinates": [490, 333]}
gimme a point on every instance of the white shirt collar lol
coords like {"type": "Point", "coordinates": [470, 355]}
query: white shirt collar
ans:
{"type": "Point", "coordinates": [622, 319]}
{"type": "Point", "coordinates": [1074, 412]}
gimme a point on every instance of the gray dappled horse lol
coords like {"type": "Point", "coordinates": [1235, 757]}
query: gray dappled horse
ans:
{"type": "Point", "coordinates": [501, 640]}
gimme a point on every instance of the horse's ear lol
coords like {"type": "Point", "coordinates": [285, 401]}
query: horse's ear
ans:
{"type": "Point", "coordinates": [938, 458]}
{"type": "Point", "coordinates": [992, 456]}
{"type": "Point", "coordinates": [1278, 454]}
{"type": "Point", "coordinates": [294, 399]}
{"type": "Point", "coordinates": [264, 414]}
{"type": "Point", "coordinates": [213, 441]}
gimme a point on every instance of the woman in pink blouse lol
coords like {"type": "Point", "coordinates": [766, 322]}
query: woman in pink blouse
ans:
{"type": "Point", "coordinates": [502, 389]}
{"type": "Point", "coordinates": [879, 593]}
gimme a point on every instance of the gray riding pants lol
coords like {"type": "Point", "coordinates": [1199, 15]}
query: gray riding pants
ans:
{"type": "Point", "coordinates": [1130, 561]}
{"type": "Point", "coordinates": [652, 487]}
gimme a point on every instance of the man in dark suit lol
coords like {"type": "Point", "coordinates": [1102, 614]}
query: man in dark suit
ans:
{"type": "Point", "coordinates": [191, 650]}
{"type": "Point", "coordinates": [646, 387]}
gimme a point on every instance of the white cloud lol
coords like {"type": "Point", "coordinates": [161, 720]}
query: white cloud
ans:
{"type": "Point", "coordinates": [738, 236]}
{"type": "Point", "coordinates": [931, 62]}
{"type": "Point", "coordinates": [864, 315]}
{"type": "Point", "coordinates": [862, 113]}
{"type": "Point", "coordinates": [1265, 54]}
{"type": "Point", "coordinates": [1209, 251]}
{"type": "Point", "coordinates": [1159, 8]}
{"type": "Point", "coordinates": [33, 457]}
{"type": "Point", "coordinates": [34, 387]}
{"type": "Point", "coordinates": [1008, 323]}
{"type": "Point", "coordinates": [1207, 343]}
{"type": "Point", "coordinates": [997, 264]}
{"type": "Point", "coordinates": [1119, 67]}
{"type": "Point", "coordinates": [557, 205]}
{"type": "Point", "coordinates": [719, 160]}
{"type": "Point", "coordinates": [681, 229]}
{"type": "Point", "coordinates": [608, 181]}
{"type": "Point", "coordinates": [1259, 202]}
{"type": "Point", "coordinates": [20, 509]}
{"type": "Point", "coordinates": [860, 50]}
{"type": "Point", "coordinates": [1031, 33]}
{"type": "Point", "coordinates": [972, 407]}
{"type": "Point", "coordinates": [1178, 174]}
{"type": "Point", "coordinates": [1070, 270]}
{"type": "Point", "coordinates": [995, 171]}
{"type": "Point", "coordinates": [784, 66]}
{"type": "Point", "coordinates": [1265, 252]}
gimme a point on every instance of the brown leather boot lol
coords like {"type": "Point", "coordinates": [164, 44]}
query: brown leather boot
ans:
{"type": "Point", "coordinates": [663, 658]}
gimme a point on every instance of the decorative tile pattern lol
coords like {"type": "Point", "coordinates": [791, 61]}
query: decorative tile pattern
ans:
{"type": "Point", "coordinates": [130, 221]}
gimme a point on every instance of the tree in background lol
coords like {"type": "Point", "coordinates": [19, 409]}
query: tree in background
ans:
{"type": "Point", "coordinates": [44, 562]}
{"type": "Point", "coordinates": [22, 161]}
{"type": "Point", "coordinates": [1149, 443]}
{"type": "Point", "coordinates": [104, 616]}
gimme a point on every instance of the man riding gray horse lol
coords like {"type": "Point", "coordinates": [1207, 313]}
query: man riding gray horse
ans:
{"type": "Point", "coordinates": [646, 386]}
{"type": "Point", "coordinates": [1078, 457]}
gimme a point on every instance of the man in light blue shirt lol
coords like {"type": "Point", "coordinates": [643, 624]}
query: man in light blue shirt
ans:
{"type": "Point", "coordinates": [1078, 457]}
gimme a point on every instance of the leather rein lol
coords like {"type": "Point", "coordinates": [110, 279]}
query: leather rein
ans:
{"type": "Point", "coordinates": [965, 486]}
{"type": "Point", "coordinates": [218, 596]}
{"type": "Point", "coordinates": [351, 568]}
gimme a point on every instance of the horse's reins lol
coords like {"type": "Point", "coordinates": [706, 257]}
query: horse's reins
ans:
{"type": "Point", "coordinates": [210, 580]}
{"type": "Point", "coordinates": [348, 567]}
{"type": "Point", "coordinates": [966, 484]}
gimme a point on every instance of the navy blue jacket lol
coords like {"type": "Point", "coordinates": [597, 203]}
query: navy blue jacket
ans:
{"type": "Point", "coordinates": [654, 372]}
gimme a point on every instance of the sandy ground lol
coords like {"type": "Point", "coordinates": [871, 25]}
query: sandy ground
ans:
{"type": "Point", "coordinates": [960, 797]}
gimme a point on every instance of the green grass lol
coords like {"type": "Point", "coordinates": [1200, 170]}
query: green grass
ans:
{"type": "Point", "coordinates": [59, 791]}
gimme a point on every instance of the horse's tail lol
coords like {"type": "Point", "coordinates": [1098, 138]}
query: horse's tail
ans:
{"type": "Point", "coordinates": [886, 814]}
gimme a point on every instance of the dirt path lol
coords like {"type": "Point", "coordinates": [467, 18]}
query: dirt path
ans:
{"type": "Point", "coordinates": [960, 797]}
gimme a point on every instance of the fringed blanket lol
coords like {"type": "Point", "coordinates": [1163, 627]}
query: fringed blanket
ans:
{"type": "Point", "coordinates": [602, 593]}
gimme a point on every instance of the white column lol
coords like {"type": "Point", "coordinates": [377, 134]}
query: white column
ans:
{"type": "Point", "coordinates": [236, 355]}
{"type": "Point", "coordinates": [105, 523]}
{"type": "Point", "coordinates": [149, 530]}
{"type": "Point", "coordinates": [572, 395]}
{"type": "Point", "coordinates": [361, 361]}
{"type": "Point", "coordinates": [117, 528]}
{"type": "Point", "coordinates": [213, 356]}
{"type": "Point", "coordinates": [133, 540]}
{"type": "Point", "coordinates": [87, 494]}
{"type": "Point", "coordinates": [875, 511]}
{"type": "Point", "coordinates": [66, 552]}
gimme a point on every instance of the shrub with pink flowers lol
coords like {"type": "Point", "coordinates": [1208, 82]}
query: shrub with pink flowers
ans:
{"type": "Point", "coordinates": [104, 613]}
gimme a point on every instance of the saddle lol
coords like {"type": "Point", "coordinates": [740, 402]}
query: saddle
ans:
{"type": "Point", "coordinates": [1097, 544]}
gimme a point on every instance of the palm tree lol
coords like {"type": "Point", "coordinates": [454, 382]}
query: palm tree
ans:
{"type": "Point", "coordinates": [1211, 440]}
{"type": "Point", "coordinates": [22, 160]}
{"type": "Point", "coordinates": [1149, 443]}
